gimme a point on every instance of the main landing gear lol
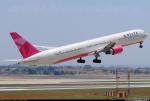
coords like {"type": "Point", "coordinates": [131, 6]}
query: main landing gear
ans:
{"type": "Point", "coordinates": [141, 46]}
{"type": "Point", "coordinates": [81, 60]}
{"type": "Point", "coordinates": [96, 60]}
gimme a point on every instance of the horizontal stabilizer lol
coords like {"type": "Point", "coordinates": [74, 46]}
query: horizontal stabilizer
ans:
{"type": "Point", "coordinates": [44, 47]}
{"type": "Point", "coordinates": [12, 60]}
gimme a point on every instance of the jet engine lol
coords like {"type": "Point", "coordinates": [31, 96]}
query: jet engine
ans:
{"type": "Point", "coordinates": [115, 50]}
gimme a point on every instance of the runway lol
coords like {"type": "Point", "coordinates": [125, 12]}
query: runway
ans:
{"type": "Point", "coordinates": [69, 87]}
{"type": "Point", "coordinates": [63, 84]}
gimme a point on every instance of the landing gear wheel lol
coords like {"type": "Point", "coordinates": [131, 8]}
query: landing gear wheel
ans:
{"type": "Point", "coordinates": [96, 60]}
{"type": "Point", "coordinates": [141, 46]}
{"type": "Point", "coordinates": [81, 60]}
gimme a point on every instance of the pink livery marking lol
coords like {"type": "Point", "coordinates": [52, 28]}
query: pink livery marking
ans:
{"type": "Point", "coordinates": [26, 49]}
{"type": "Point", "coordinates": [117, 49]}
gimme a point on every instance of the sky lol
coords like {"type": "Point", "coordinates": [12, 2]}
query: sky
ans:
{"type": "Point", "coordinates": [62, 22]}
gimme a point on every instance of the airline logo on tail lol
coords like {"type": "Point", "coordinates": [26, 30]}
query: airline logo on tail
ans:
{"type": "Point", "coordinates": [26, 49]}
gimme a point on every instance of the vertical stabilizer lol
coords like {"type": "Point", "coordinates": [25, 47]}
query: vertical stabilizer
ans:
{"type": "Point", "coordinates": [26, 49]}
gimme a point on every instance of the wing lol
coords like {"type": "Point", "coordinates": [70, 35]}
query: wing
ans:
{"type": "Point", "coordinates": [109, 46]}
{"type": "Point", "coordinates": [105, 47]}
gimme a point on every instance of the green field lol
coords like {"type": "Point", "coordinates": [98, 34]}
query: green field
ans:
{"type": "Point", "coordinates": [135, 93]}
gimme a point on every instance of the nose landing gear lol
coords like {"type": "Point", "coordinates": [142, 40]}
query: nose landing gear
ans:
{"type": "Point", "coordinates": [141, 46]}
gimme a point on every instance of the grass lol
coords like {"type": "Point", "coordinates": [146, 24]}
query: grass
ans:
{"type": "Point", "coordinates": [143, 93]}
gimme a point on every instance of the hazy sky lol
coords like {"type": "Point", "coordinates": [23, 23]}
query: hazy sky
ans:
{"type": "Point", "coordinates": [61, 22]}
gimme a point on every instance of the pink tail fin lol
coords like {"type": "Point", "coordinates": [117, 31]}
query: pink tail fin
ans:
{"type": "Point", "coordinates": [26, 49]}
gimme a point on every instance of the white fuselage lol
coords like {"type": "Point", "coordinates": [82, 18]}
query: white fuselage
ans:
{"type": "Point", "coordinates": [81, 49]}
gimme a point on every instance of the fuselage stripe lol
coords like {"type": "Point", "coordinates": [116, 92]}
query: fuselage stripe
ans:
{"type": "Point", "coordinates": [73, 57]}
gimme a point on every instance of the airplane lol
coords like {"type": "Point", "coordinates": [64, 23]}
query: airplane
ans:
{"type": "Point", "coordinates": [111, 44]}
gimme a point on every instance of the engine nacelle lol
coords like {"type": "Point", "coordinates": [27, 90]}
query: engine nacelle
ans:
{"type": "Point", "coordinates": [115, 50]}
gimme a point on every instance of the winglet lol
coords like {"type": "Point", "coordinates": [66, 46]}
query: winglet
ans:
{"type": "Point", "coordinates": [26, 49]}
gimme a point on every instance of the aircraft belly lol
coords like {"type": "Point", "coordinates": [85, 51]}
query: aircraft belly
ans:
{"type": "Point", "coordinates": [77, 54]}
